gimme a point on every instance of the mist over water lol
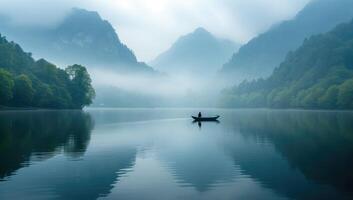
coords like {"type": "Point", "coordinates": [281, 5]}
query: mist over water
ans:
{"type": "Point", "coordinates": [168, 99]}
{"type": "Point", "coordinates": [159, 153]}
{"type": "Point", "coordinates": [181, 90]}
{"type": "Point", "coordinates": [98, 37]}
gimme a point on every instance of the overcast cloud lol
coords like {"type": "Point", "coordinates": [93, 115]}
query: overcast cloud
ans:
{"type": "Point", "coordinates": [149, 27]}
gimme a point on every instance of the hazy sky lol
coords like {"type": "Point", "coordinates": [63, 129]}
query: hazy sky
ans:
{"type": "Point", "coordinates": [149, 27]}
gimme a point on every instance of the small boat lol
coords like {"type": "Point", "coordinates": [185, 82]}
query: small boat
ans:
{"type": "Point", "coordinates": [203, 119]}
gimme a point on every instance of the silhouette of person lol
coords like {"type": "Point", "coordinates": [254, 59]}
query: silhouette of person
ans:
{"type": "Point", "coordinates": [200, 115]}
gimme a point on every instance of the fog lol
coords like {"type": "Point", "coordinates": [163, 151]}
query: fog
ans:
{"type": "Point", "coordinates": [162, 90]}
{"type": "Point", "coordinates": [149, 27]}
{"type": "Point", "coordinates": [163, 85]}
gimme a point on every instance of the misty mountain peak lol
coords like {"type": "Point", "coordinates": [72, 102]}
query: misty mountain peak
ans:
{"type": "Point", "coordinates": [88, 15]}
{"type": "Point", "coordinates": [201, 30]}
{"type": "Point", "coordinates": [86, 23]}
{"type": "Point", "coordinates": [81, 37]}
{"type": "Point", "coordinates": [200, 34]}
{"type": "Point", "coordinates": [198, 51]}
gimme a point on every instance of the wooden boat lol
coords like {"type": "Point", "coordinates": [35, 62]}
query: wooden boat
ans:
{"type": "Point", "coordinates": [204, 119]}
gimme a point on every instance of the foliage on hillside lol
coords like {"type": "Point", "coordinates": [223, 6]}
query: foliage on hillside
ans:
{"type": "Point", "coordinates": [262, 54]}
{"type": "Point", "coordinates": [317, 75]}
{"type": "Point", "coordinates": [25, 82]}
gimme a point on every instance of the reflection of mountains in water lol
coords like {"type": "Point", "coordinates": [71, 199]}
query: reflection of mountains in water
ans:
{"type": "Point", "coordinates": [200, 170]}
{"type": "Point", "coordinates": [315, 151]}
{"type": "Point", "coordinates": [28, 136]}
{"type": "Point", "coordinates": [195, 159]}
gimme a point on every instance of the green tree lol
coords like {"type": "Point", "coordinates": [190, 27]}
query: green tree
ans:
{"type": "Point", "coordinates": [282, 98]}
{"type": "Point", "coordinates": [23, 91]}
{"type": "Point", "coordinates": [6, 86]}
{"type": "Point", "coordinates": [61, 98]}
{"type": "Point", "coordinates": [43, 95]}
{"type": "Point", "coordinates": [313, 76]}
{"type": "Point", "coordinates": [81, 90]}
{"type": "Point", "coordinates": [40, 83]}
{"type": "Point", "coordinates": [312, 98]}
{"type": "Point", "coordinates": [345, 95]}
{"type": "Point", "coordinates": [329, 99]}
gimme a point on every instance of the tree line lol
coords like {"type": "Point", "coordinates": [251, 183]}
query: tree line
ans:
{"type": "Point", "coordinates": [25, 82]}
{"type": "Point", "coordinates": [318, 75]}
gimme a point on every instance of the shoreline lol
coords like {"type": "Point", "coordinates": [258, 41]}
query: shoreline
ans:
{"type": "Point", "coordinates": [7, 108]}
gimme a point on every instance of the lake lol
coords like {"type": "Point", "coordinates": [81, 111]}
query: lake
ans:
{"type": "Point", "coordinates": [161, 154]}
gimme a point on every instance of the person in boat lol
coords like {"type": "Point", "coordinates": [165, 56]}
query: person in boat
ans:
{"type": "Point", "coordinates": [200, 115]}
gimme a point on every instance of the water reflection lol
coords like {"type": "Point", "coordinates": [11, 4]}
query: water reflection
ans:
{"type": "Point", "coordinates": [302, 155]}
{"type": "Point", "coordinates": [52, 146]}
{"type": "Point", "coordinates": [199, 123]}
{"type": "Point", "coordinates": [196, 160]}
{"type": "Point", "coordinates": [252, 154]}
{"type": "Point", "coordinates": [41, 135]}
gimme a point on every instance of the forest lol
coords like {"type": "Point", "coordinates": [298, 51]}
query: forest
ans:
{"type": "Point", "coordinates": [318, 75]}
{"type": "Point", "coordinates": [29, 83]}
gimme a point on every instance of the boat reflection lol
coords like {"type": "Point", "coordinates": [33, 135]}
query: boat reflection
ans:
{"type": "Point", "coordinates": [199, 123]}
{"type": "Point", "coordinates": [284, 154]}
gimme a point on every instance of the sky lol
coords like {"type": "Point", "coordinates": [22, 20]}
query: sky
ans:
{"type": "Point", "coordinates": [149, 27]}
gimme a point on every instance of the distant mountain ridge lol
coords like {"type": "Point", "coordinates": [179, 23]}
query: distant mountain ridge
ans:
{"type": "Point", "coordinates": [197, 52]}
{"type": "Point", "coordinates": [318, 75]}
{"type": "Point", "coordinates": [82, 37]}
{"type": "Point", "coordinates": [262, 54]}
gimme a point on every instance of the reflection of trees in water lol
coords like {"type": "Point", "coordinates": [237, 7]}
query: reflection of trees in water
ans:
{"type": "Point", "coordinates": [26, 136]}
{"type": "Point", "coordinates": [318, 144]}
{"type": "Point", "coordinates": [42, 135]}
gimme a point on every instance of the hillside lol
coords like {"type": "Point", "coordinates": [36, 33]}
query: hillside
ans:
{"type": "Point", "coordinates": [317, 75]}
{"type": "Point", "coordinates": [262, 54]}
{"type": "Point", "coordinates": [197, 52]}
{"type": "Point", "coordinates": [25, 82]}
{"type": "Point", "coordinates": [81, 37]}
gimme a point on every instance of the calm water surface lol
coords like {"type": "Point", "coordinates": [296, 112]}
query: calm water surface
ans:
{"type": "Point", "coordinates": [161, 154]}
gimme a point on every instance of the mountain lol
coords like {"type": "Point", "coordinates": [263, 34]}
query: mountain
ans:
{"type": "Point", "coordinates": [317, 75]}
{"type": "Point", "coordinates": [262, 54]}
{"type": "Point", "coordinates": [25, 82]}
{"type": "Point", "coordinates": [197, 52]}
{"type": "Point", "coordinates": [81, 37]}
